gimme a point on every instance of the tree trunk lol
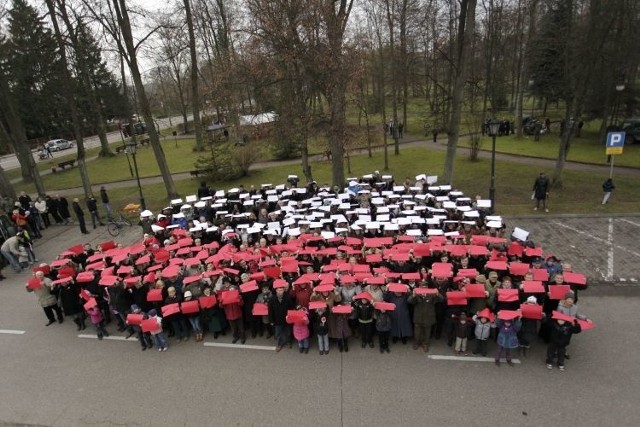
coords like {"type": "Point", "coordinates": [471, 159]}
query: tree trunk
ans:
{"type": "Point", "coordinates": [127, 35]}
{"type": "Point", "coordinates": [465, 34]}
{"type": "Point", "coordinates": [6, 187]}
{"type": "Point", "coordinates": [71, 101]}
{"type": "Point", "coordinates": [195, 99]}
{"type": "Point", "coordinates": [336, 102]}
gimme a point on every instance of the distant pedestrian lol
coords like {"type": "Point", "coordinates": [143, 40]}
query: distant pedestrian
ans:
{"type": "Point", "coordinates": [77, 209]}
{"type": "Point", "coordinates": [541, 191]}
{"type": "Point", "coordinates": [48, 151]}
{"type": "Point", "coordinates": [105, 202]}
{"type": "Point", "coordinates": [400, 129]}
{"type": "Point", "coordinates": [435, 134]}
{"type": "Point", "coordinates": [63, 209]}
{"type": "Point", "coordinates": [53, 208]}
{"type": "Point", "coordinates": [92, 205]}
{"type": "Point", "coordinates": [426, 128]}
{"type": "Point", "coordinates": [608, 188]}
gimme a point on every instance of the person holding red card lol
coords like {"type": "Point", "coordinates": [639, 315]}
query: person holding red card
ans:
{"type": "Point", "coordinates": [570, 308]}
{"type": "Point", "coordinates": [561, 330]}
{"type": "Point", "coordinates": [424, 315]}
{"type": "Point", "coordinates": [508, 325]}
{"type": "Point", "coordinates": [383, 327]}
{"type": "Point", "coordinates": [41, 286]}
{"type": "Point", "coordinates": [177, 319]}
{"type": "Point", "coordinates": [263, 298]}
{"type": "Point", "coordinates": [401, 327]}
{"type": "Point", "coordinates": [232, 303]}
{"type": "Point", "coordinates": [364, 312]}
{"type": "Point", "coordinates": [156, 331]}
{"type": "Point", "coordinates": [97, 320]}
{"type": "Point", "coordinates": [320, 320]}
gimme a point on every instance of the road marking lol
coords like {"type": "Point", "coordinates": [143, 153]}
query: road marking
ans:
{"type": "Point", "coordinates": [116, 338]}
{"type": "Point", "coordinates": [584, 233]}
{"type": "Point", "coordinates": [628, 222]}
{"type": "Point", "coordinates": [250, 347]}
{"type": "Point", "coordinates": [610, 252]}
{"type": "Point", "coordinates": [466, 359]}
{"type": "Point", "coordinates": [12, 332]}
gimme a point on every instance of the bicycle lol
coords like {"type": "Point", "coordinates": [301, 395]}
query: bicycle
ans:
{"type": "Point", "coordinates": [115, 225]}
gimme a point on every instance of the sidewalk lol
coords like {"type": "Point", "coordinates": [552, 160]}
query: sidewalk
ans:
{"type": "Point", "coordinates": [439, 146]}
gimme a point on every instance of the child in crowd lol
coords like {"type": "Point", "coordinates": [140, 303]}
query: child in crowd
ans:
{"type": "Point", "coordinates": [321, 326]}
{"type": "Point", "coordinates": [144, 338]}
{"type": "Point", "coordinates": [383, 327]}
{"type": "Point", "coordinates": [158, 334]}
{"type": "Point", "coordinates": [364, 312]}
{"type": "Point", "coordinates": [97, 320]}
{"type": "Point", "coordinates": [462, 333]}
{"type": "Point", "coordinates": [561, 331]}
{"type": "Point", "coordinates": [507, 337]}
{"type": "Point", "coordinates": [301, 331]}
{"type": "Point", "coordinates": [482, 331]}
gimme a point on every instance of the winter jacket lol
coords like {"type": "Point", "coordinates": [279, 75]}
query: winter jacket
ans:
{"type": "Point", "coordinates": [95, 315]}
{"type": "Point", "coordinates": [424, 311]}
{"type": "Point", "coordinates": [561, 334]}
{"type": "Point", "coordinates": [321, 323]}
{"type": "Point", "coordinates": [508, 334]}
{"type": "Point", "coordinates": [482, 330]}
{"type": "Point", "coordinates": [383, 321]}
{"type": "Point", "coordinates": [278, 309]}
{"type": "Point", "coordinates": [364, 312]}
{"type": "Point", "coordinates": [301, 329]}
{"type": "Point", "coordinates": [45, 297]}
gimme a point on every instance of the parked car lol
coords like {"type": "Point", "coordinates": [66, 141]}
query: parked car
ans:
{"type": "Point", "coordinates": [632, 128]}
{"type": "Point", "coordinates": [58, 144]}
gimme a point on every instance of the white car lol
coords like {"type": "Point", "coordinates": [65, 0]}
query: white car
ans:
{"type": "Point", "coordinates": [58, 144]}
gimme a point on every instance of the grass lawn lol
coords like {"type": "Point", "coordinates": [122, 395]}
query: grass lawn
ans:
{"type": "Point", "coordinates": [581, 194]}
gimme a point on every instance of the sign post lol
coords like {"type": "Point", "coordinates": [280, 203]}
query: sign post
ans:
{"type": "Point", "coordinates": [615, 144]}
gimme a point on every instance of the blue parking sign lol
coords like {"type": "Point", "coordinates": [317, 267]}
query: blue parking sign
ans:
{"type": "Point", "coordinates": [615, 143]}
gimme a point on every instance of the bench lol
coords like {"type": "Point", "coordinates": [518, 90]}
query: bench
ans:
{"type": "Point", "coordinates": [121, 149]}
{"type": "Point", "coordinates": [63, 165]}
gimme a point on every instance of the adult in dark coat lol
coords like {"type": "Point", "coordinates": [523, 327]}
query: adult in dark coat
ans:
{"type": "Point", "coordinates": [53, 208]}
{"type": "Point", "coordinates": [121, 300]}
{"type": "Point", "coordinates": [69, 295]}
{"type": "Point", "coordinates": [400, 318]}
{"type": "Point", "coordinates": [541, 191]}
{"type": "Point", "coordinates": [63, 209]}
{"type": "Point", "coordinates": [92, 205]}
{"type": "Point", "coordinates": [279, 304]}
{"type": "Point", "coordinates": [77, 209]}
{"type": "Point", "coordinates": [424, 317]}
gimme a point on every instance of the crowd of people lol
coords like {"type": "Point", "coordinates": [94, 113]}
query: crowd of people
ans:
{"type": "Point", "coordinates": [406, 263]}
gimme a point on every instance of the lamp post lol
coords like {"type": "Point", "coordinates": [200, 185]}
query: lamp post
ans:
{"type": "Point", "coordinates": [132, 146]}
{"type": "Point", "coordinates": [619, 89]}
{"type": "Point", "coordinates": [494, 126]}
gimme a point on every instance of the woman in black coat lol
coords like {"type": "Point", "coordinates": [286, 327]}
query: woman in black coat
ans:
{"type": "Point", "coordinates": [69, 297]}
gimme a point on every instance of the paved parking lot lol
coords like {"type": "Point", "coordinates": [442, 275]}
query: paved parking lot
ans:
{"type": "Point", "coordinates": [605, 248]}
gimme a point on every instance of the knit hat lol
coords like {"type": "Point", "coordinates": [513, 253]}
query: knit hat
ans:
{"type": "Point", "coordinates": [135, 308]}
{"type": "Point", "coordinates": [532, 300]}
{"type": "Point", "coordinates": [152, 312]}
{"type": "Point", "coordinates": [569, 294]}
{"type": "Point", "coordinates": [188, 294]}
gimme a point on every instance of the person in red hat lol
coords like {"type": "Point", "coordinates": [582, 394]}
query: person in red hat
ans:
{"type": "Point", "coordinates": [508, 326]}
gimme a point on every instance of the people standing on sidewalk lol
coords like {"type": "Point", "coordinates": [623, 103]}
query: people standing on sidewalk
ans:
{"type": "Point", "coordinates": [541, 191]}
{"type": "Point", "coordinates": [608, 188]}
{"type": "Point", "coordinates": [92, 205]}
{"type": "Point", "coordinates": [43, 210]}
{"type": "Point", "coordinates": [105, 202]}
{"type": "Point", "coordinates": [52, 208]}
{"type": "Point", "coordinates": [63, 209]}
{"type": "Point", "coordinates": [77, 209]}
{"type": "Point", "coordinates": [10, 250]}
{"type": "Point", "coordinates": [435, 134]}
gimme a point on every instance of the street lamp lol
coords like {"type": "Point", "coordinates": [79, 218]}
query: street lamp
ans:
{"type": "Point", "coordinates": [494, 126]}
{"type": "Point", "coordinates": [619, 89]}
{"type": "Point", "coordinates": [132, 146]}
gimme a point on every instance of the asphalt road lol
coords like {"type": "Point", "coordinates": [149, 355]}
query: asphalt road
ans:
{"type": "Point", "coordinates": [50, 376]}
{"type": "Point", "coordinates": [10, 161]}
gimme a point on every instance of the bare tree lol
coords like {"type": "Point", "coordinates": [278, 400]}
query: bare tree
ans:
{"type": "Point", "coordinates": [195, 96]}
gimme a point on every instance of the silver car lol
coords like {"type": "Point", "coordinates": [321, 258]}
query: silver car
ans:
{"type": "Point", "coordinates": [58, 144]}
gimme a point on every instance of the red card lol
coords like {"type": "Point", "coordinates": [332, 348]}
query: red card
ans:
{"type": "Point", "coordinates": [475, 290]}
{"type": "Point", "coordinates": [324, 288]}
{"type": "Point", "coordinates": [531, 311]}
{"type": "Point", "coordinates": [273, 272]}
{"type": "Point", "coordinates": [280, 283]}
{"type": "Point", "coordinates": [376, 280]}
{"type": "Point", "coordinates": [134, 319]}
{"type": "Point", "coordinates": [85, 295]}
{"type": "Point", "coordinates": [105, 246]}
{"type": "Point", "coordinates": [585, 326]}
{"type": "Point", "coordinates": [191, 279]}
{"type": "Point", "coordinates": [386, 306]}
{"type": "Point", "coordinates": [487, 314]}
{"type": "Point", "coordinates": [518, 268]}
{"type": "Point", "coordinates": [63, 280]}
{"type": "Point", "coordinates": [230, 297]}
{"type": "Point", "coordinates": [532, 287]}
{"type": "Point", "coordinates": [508, 314]}
{"type": "Point", "coordinates": [410, 276]}
{"type": "Point", "coordinates": [363, 295]}
{"type": "Point", "coordinates": [170, 309]}
{"type": "Point", "coordinates": [471, 273]}
{"type": "Point", "coordinates": [260, 309]}
{"type": "Point", "coordinates": [456, 298]}
{"type": "Point", "coordinates": [90, 304]}
{"type": "Point", "coordinates": [508, 295]}
{"type": "Point", "coordinates": [249, 287]}
{"type": "Point", "coordinates": [425, 291]}
{"type": "Point", "coordinates": [496, 265]}
{"type": "Point", "coordinates": [85, 277]}
{"type": "Point", "coordinates": [540, 274]}
{"type": "Point", "coordinates": [475, 250]}
{"type": "Point", "coordinates": [341, 309]}
{"type": "Point", "coordinates": [295, 316]}
{"type": "Point", "coordinates": [516, 249]}
{"type": "Point", "coordinates": [190, 307]}
{"type": "Point", "coordinates": [397, 287]}
{"type": "Point", "coordinates": [558, 291]}
{"type": "Point", "coordinates": [154, 295]}
{"type": "Point", "coordinates": [442, 269]}
{"type": "Point", "coordinates": [374, 258]}
{"type": "Point", "coordinates": [561, 316]}
{"type": "Point", "coordinates": [149, 325]}
{"type": "Point", "coordinates": [575, 278]}
{"type": "Point", "coordinates": [207, 301]}
{"type": "Point", "coordinates": [314, 305]}
{"type": "Point", "coordinates": [34, 283]}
